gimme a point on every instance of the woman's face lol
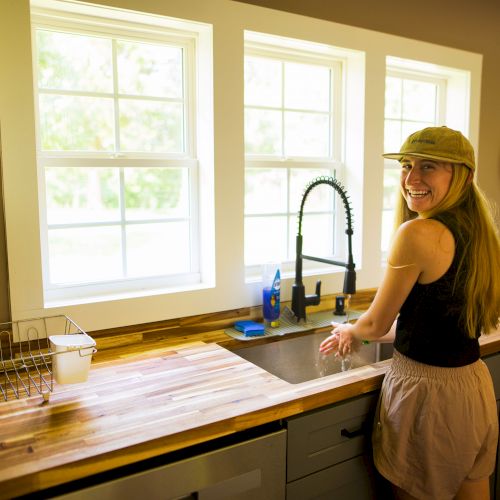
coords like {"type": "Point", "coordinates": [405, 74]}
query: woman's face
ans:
{"type": "Point", "coordinates": [424, 183]}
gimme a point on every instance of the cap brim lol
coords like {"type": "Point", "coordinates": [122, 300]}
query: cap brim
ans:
{"type": "Point", "coordinates": [399, 156]}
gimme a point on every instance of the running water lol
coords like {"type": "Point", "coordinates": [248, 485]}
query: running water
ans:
{"type": "Point", "coordinates": [346, 362]}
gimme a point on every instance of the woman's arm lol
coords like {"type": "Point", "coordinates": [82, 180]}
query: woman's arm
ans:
{"type": "Point", "coordinates": [413, 252]}
{"type": "Point", "coordinates": [389, 337]}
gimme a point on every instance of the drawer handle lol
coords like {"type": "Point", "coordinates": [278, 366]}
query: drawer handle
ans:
{"type": "Point", "coordinates": [352, 434]}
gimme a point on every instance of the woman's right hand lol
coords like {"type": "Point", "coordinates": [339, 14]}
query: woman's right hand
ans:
{"type": "Point", "coordinates": [341, 341]}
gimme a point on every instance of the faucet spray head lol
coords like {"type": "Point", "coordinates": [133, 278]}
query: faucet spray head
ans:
{"type": "Point", "coordinates": [350, 282]}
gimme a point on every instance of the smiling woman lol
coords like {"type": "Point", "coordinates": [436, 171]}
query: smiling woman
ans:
{"type": "Point", "coordinates": [441, 291]}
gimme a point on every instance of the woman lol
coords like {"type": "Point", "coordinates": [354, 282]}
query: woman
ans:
{"type": "Point", "coordinates": [436, 428]}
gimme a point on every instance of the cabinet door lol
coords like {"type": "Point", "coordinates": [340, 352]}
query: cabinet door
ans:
{"type": "Point", "coordinates": [493, 363]}
{"type": "Point", "coordinates": [244, 471]}
{"type": "Point", "coordinates": [328, 436]}
{"type": "Point", "coordinates": [346, 481]}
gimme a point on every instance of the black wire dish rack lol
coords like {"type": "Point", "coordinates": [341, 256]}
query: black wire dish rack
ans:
{"type": "Point", "coordinates": [27, 354]}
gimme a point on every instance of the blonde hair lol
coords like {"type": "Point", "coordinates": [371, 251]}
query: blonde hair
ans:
{"type": "Point", "coordinates": [471, 216]}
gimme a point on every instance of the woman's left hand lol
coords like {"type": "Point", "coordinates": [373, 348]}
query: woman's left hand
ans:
{"type": "Point", "coordinates": [341, 340]}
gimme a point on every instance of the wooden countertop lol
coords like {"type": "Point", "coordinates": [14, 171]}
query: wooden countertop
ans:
{"type": "Point", "coordinates": [137, 405]}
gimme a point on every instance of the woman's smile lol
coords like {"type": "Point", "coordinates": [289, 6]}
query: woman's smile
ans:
{"type": "Point", "coordinates": [417, 194]}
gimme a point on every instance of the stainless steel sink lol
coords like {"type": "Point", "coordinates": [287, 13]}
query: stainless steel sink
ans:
{"type": "Point", "coordinates": [298, 359]}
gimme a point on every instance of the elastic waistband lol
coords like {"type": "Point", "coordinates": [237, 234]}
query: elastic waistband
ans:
{"type": "Point", "coordinates": [405, 366]}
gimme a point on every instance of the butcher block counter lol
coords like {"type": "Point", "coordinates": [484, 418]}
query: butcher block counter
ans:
{"type": "Point", "coordinates": [144, 400]}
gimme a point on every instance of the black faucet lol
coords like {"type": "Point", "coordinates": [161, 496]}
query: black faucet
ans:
{"type": "Point", "coordinates": [299, 299]}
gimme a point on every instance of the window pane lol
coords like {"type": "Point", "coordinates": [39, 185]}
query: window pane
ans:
{"type": "Point", "coordinates": [149, 70]}
{"type": "Point", "coordinates": [150, 126]}
{"type": "Point", "coordinates": [307, 87]}
{"type": "Point", "coordinates": [387, 228]}
{"type": "Point", "coordinates": [73, 62]}
{"type": "Point", "coordinates": [262, 132]}
{"type": "Point", "coordinates": [408, 128]}
{"type": "Point", "coordinates": [307, 134]}
{"type": "Point", "coordinates": [393, 90]}
{"type": "Point", "coordinates": [391, 187]}
{"type": "Point", "coordinates": [156, 192]}
{"type": "Point", "coordinates": [319, 199]}
{"type": "Point", "coordinates": [419, 101]}
{"type": "Point", "coordinates": [262, 82]}
{"type": "Point", "coordinates": [392, 136]}
{"type": "Point", "coordinates": [82, 255]}
{"type": "Point", "coordinates": [317, 234]}
{"type": "Point", "coordinates": [76, 195]}
{"type": "Point", "coordinates": [76, 123]}
{"type": "Point", "coordinates": [265, 239]}
{"type": "Point", "coordinates": [265, 190]}
{"type": "Point", "coordinates": [156, 249]}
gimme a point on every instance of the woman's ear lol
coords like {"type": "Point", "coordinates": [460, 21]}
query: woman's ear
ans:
{"type": "Point", "coordinates": [470, 174]}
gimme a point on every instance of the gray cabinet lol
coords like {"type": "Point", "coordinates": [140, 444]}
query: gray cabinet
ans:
{"type": "Point", "coordinates": [328, 453]}
{"type": "Point", "coordinates": [493, 363]}
{"type": "Point", "coordinates": [251, 469]}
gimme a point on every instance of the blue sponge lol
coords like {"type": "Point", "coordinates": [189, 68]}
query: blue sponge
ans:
{"type": "Point", "coordinates": [250, 328]}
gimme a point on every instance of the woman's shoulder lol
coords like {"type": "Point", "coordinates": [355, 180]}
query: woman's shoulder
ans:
{"type": "Point", "coordinates": [419, 228]}
{"type": "Point", "coordinates": [421, 239]}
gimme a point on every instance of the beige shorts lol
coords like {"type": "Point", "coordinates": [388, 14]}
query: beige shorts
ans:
{"type": "Point", "coordinates": [435, 427]}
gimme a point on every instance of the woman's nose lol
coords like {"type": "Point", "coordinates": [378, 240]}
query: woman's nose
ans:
{"type": "Point", "coordinates": [413, 176]}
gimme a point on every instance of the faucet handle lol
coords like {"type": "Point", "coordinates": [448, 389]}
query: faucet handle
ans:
{"type": "Point", "coordinates": [314, 299]}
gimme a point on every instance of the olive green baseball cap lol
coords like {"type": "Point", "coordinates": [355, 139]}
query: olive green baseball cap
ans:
{"type": "Point", "coordinates": [437, 143]}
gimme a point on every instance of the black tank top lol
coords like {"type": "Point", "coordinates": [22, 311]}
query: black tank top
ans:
{"type": "Point", "coordinates": [429, 327]}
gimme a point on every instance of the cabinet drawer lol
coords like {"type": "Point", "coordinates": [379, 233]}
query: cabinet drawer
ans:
{"type": "Point", "coordinates": [347, 481]}
{"type": "Point", "coordinates": [493, 363]}
{"type": "Point", "coordinates": [328, 436]}
{"type": "Point", "coordinates": [244, 471]}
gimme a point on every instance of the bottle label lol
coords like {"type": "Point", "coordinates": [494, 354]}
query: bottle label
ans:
{"type": "Point", "coordinates": [271, 299]}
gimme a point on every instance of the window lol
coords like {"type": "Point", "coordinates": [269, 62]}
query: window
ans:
{"type": "Point", "coordinates": [116, 156]}
{"type": "Point", "coordinates": [416, 96]}
{"type": "Point", "coordinates": [292, 135]}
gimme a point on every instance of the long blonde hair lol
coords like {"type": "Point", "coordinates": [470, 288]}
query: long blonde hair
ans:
{"type": "Point", "coordinates": [472, 217]}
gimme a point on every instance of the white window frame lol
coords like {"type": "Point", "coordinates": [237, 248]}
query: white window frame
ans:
{"type": "Point", "coordinates": [285, 50]}
{"type": "Point", "coordinates": [86, 25]}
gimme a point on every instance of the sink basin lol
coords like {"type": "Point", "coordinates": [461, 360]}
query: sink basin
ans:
{"type": "Point", "coordinates": [298, 359]}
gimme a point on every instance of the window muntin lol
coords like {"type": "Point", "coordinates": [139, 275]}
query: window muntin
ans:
{"type": "Point", "coordinates": [116, 158]}
{"type": "Point", "coordinates": [292, 128]}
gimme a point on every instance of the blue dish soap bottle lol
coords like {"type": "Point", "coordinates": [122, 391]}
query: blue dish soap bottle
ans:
{"type": "Point", "coordinates": [271, 281]}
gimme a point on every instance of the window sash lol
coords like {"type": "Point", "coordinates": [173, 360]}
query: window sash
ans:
{"type": "Point", "coordinates": [331, 161]}
{"type": "Point", "coordinates": [193, 276]}
{"type": "Point", "coordinates": [335, 65]}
